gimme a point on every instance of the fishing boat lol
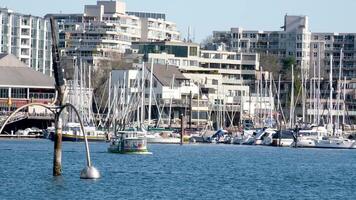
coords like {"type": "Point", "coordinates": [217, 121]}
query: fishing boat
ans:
{"type": "Point", "coordinates": [129, 142]}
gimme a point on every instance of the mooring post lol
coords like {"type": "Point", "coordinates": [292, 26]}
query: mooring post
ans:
{"type": "Point", "coordinates": [190, 110]}
{"type": "Point", "coordinates": [181, 128]}
{"type": "Point", "coordinates": [57, 160]}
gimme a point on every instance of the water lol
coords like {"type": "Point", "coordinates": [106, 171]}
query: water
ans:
{"type": "Point", "coordinates": [175, 172]}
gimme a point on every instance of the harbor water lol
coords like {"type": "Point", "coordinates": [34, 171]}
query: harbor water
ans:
{"type": "Point", "coordinates": [177, 172]}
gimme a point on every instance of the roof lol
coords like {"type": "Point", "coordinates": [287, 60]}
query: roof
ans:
{"type": "Point", "coordinates": [14, 73]}
{"type": "Point", "coordinates": [164, 73]}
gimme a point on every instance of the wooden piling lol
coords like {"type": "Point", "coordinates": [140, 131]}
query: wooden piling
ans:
{"type": "Point", "coordinates": [182, 129]}
{"type": "Point", "coordinates": [57, 160]}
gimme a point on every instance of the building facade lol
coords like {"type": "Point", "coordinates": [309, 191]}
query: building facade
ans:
{"type": "Point", "coordinates": [28, 38]}
{"type": "Point", "coordinates": [102, 32]}
{"type": "Point", "coordinates": [220, 74]}
{"type": "Point", "coordinates": [105, 31]}
{"type": "Point", "coordinates": [292, 41]}
{"type": "Point", "coordinates": [155, 27]}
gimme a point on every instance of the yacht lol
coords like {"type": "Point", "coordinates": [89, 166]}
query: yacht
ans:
{"type": "Point", "coordinates": [317, 137]}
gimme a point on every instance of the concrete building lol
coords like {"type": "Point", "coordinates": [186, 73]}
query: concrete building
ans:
{"type": "Point", "coordinates": [28, 38]}
{"type": "Point", "coordinates": [155, 27]}
{"type": "Point", "coordinates": [170, 95]}
{"type": "Point", "coordinates": [341, 46]}
{"type": "Point", "coordinates": [219, 73]}
{"type": "Point", "coordinates": [224, 78]}
{"type": "Point", "coordinates": [102, 32]}
{"type": "Point", "coordinates": [292, 41]}
{"type": "Point", "coordinates": [105, 31]}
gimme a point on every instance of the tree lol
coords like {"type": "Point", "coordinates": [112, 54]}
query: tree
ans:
{"type": "Point", "coordinates": [271, 63]}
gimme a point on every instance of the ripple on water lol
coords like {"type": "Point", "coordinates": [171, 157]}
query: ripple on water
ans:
{"type": "Point", "coordinates": [175, 172]}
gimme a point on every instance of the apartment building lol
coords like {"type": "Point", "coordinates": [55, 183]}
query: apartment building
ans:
{"type": "Point", "coordinates": [293, 40]}
{"type": "Point", "coordinates": [219, 73]}
{"type": "Point", "coordinates": [102, 32]}
{"type": "Point", "coordinates": [155, 27]}
{"type": "Point", "coordinates": [28, 38]}
{"type": "Point", "coordinates": [105, 31]}
{"type": "Point", "coordinates": [341, 46]}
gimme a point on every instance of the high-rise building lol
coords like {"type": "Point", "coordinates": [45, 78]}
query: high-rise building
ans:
{"type": "Point", "coordinates": [28, 38]}
{"type": "Point", "coordinates": [293, 40]}
{"type": "Point", "coordinates": [102, 32]}
{"type": "Point", "coordinates": [105, 31]}
{"type": "Point", "coordinates": [155, 27]}
{"type": "Point", "coordinates": [296, 40]}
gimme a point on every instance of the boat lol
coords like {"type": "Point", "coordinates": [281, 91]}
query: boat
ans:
{"type": "Point", "coordinates": [162, 138]}
{"type": "Point", "coordinates": [264, 137]}
{"type": "Point", "coordinates": [71, 132]}
{"type": "Point", "coordinates": [246, 137]}
{"type": "Point", "coordinates": [317, 137]}
{"type": "Point", "coordinates": [283, 138]}
{"type": "Point", "coordinates": [128, 142]}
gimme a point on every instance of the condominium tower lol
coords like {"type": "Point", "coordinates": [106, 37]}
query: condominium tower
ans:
{"type": "Point", "coordinates": [28, 38]}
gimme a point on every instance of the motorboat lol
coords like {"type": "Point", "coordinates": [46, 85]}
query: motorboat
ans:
{"type": "Point", "coordinates": [128, 142]}
{"type": "Point", "coordinates": [283, 138]}
{"type": "Point", "coordinates": [318, 137]}
{"type": "Point", "coordinates": [264, 137]}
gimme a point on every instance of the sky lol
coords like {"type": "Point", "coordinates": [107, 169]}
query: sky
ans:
{"type": "Point", "coordinates": [205, 16]}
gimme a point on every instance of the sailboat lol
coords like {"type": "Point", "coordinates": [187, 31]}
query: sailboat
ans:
{"type": "Point", "coordinates": [328, 136]}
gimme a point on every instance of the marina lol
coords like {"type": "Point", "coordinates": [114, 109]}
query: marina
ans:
{"type": "Point", "coordinates": [112, 103]}
{"type": "Point", "coordinates": [178, 172]}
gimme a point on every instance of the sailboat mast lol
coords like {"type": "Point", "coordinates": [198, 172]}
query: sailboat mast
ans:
{"type": "Point", "coordinates": [303, 93]}
{"type": "Point", "coordinates": [331, 89]}
{"type": "Point", "coordinates": [339, 92]}
{"type": "Point", "coordinates": [170, 102]}
{"type": "Point", "coordinates": [291, 111]}
{"type": "Point", "coordinates": [319, 93]}
{"type": "Point", "coordinates": [150, 97]}
{"type": "Point", "coordinates": [271, 98]}
{"type": "Point", "coordinates": [142, 95]}
{"type": "Point", "coordinates": [344, 105]}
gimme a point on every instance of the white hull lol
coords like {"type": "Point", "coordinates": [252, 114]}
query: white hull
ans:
{"type": "Point", "coordinates": [332, 143]}
{"type": "Point", "coordinates": [161, 140]}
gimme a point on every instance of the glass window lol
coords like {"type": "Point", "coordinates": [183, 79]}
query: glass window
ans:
{"type": "Point", "coordinates": [4, 93]}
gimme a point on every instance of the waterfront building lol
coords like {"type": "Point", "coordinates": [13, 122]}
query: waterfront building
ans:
{"type": "Point", "coordinates": [341, 46]}
{"type": "Point", "coordinates": [28, 38]}
{"type": "Point", "coordinates": [296, 40]}
{"type": "Point", "coordinates": [292, 41]}
{"type": "Point", "coordinates": [219, 73]}
{"type": "Point", "coordinates": [170, 90]}
{"type": "Point", "coordinates": [20, 85]}
{"type": "Point", "coordinates": [223, 77]}
{"type": "Point", "coordinates": [155, 27]}
{"type": "Point", "coordinates": [105, 31]}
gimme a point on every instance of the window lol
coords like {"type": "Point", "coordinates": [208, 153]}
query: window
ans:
{"type": "Point", "coordinates": [4, 93]}
{"type": "Point", "coordinates": [193, 51]}
{"type": "Point", "coordinates": [19, 93]}
{"type": "Point", "coordinates": [215, 82]}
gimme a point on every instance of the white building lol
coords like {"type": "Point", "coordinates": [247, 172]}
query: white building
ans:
{"type": "Point", "coordinates": [28, 38]}
{"type": "Point", "coordinates": [102, 32]}
{"type": "Point", "coordinates": [292, 41]}
{"type": "Point", "coordinates": [105, 31]}
{"type": "Point", "coordinates": [220, 74]}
